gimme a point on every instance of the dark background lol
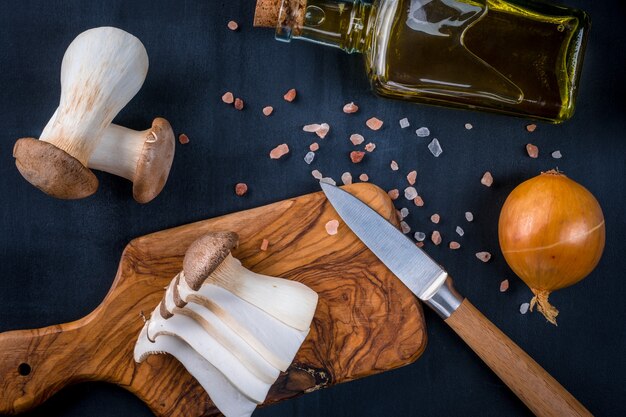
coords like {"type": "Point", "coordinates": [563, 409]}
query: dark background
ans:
{"type": "Point", "coordinates": [58, 258]}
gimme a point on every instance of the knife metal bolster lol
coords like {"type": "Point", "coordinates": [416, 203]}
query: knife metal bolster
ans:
{"type": "Point", "coordinates": [446, 299]}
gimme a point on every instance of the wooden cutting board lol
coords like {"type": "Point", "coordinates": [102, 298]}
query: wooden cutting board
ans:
{"type": "Point", "coordinates": [366, 321]}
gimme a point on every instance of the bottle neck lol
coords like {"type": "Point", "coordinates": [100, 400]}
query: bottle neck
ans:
{"type": "Point", "coordinates": [339, 24]}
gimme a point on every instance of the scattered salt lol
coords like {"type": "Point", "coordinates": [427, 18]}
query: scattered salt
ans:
{"type": "Point", "coordinates": [523, 309]}
{"type": "Point", "coordinates": [420, 244]}
{"type": "Point", "coordinates": [484, 256]}
{"type": "Point", "coordinates": [412, 177]}
{"type": "Point", "coordinates": [314, 147]}
{"type": "Point", "coordinates": [316, 174]}
{"type": "Point", "coordinates": [228, 98]}
{"type": "Point", "coordinates": [436, 238]}
{"type": "Point", "coordinates": [239, 104]}
{"type": "Point", "coordinates": [183, 139]}
{"type": "Point", "coordinates": [346, 178]}
{"type": "Point", "coordinates": [279, 151]}
{"type": "Point", "coordinates": [422, 132]}
{"type": "Point", "coordinates": [487, 179]}
{"type": "Point", "coordinates": [394, 194]}
{"type": "Point", "coordinates": [469, 126]}
{"type": "Point", "coordinates": [290, 95]}
{"type": "Point", "coordinates": [504, 285]}
{"type": "Point", "coordinates": [267, 110]}
{"type": "Point", "coordinates": [309, 157]}
{"type": "Point", "coordinates": [531, 128]}
{"type": "Point", "coordinates": [435, 148]}
{"type": "Point", "coordinates": [420, 236]}
{"type": "Point", "coordinates": [404, 123]}
{"type": "Point", "coordinates": [312, 128]}
{"type": "Point", "coordinates": [374, 123]}
{"type": "Point", "coordinates": [532, 150]}
{"type": "Point", "coordinates": [241, 189]}
{"type": "Point", "coordinates": [404, 212]}
{"type": "Point", "coordinates": [460, 231]}
{"type": "Point", "coordinates": [557, 155]}
{"type": "Point", "coordinates": [435, 218]}
{"type": "Point", "coordinates": [405, 228]}
{"type": "Point", "coordinates": [323, 130]}
{"type": "Point", "coordinates": [370, 147]}
{"type": "Point", "coordinates": [469, 216]}
{"type": "Point", "coordinates": [364, 177]}
{"type": "Point", "coordinates": [232, 25]}
{"type": "Point", "coordinates": [328, 180]}
{"type": "Point", "coordinates": [356, 139]}
{"type": "Point", "coordinates": [350, 108]}
{"type": "Point", "coordinates": [332, 227]}
{"type": "Point", "coordinates": [454, 245]}
{"type": "Point", "coordinates": [419, 202]}
{"type": "Point", "coordinates": [410, 193]}
{"type": "Point", "coordinates": [394, 166]}
{"type": "Point", "coordinates": [356, 156]}
{"type": "Point", "coordinates": [265, 244]}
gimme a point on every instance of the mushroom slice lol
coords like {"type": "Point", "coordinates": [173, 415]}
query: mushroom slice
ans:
{"type": "Point", "coordinates": [102, 70]}
{"type": "Point", "coordinates": [228, 399]}
{"type": "Point", "coordinates": [277, 342]}
{"type": "Point", "coordinates": [198, 339]}
{"type": "Point", "coordinates": [209, 259]}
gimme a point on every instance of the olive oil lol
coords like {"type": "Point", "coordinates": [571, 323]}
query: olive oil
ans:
{"type": "Point", "coordinates": [510, 56]}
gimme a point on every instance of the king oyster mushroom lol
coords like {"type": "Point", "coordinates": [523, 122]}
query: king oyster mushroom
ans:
{"type": "Point", "coordinates": [102, 70]}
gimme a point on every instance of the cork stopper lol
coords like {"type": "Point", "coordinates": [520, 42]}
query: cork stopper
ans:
{"type": "Point", "coordinates": [280, 13]}
{"type": "Point", "coordinates": [266, 13]}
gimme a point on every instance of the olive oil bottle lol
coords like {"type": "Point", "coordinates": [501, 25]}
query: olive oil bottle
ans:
{"type": "Point", "coordinates": [518, 57]}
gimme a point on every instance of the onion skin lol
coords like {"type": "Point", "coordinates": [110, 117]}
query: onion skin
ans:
{"type": "Point", "coordinates": [552, 235]}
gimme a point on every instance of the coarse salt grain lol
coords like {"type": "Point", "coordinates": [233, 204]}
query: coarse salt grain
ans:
{"type": "Point", "coordinates": [328, 180]}
{"type": "Point", "coordinates": [309, 157]}
{"type": "Point", "coordinates": [435, 148]}
{"type": "Point", "coordinates": [460, 231]}
{"type": "Point", "coordinates": [323, 130]}
{"type": "Point", "coordinates": [532, 150]}
{"type": "Point", "coordinates": [531, 128]}
{"type": "Point", "coordinates": [557, 155]}
{"type": "Point", "coordinates": [312, 128]}
{"type": "Point", "coordinates": [487, 179]}
{"type": "Point", "coordinates": [419, 201]}
{"type": "Point", "coordinates": [454, 245]}
{"type": "Point", "coordinates": [290, 95]}
{"type": "Point", "coordinates": [484, 256]}
{"type": "Point", "coordinates": [404, 123]}
{"type": "Point", "coordinates": [405, 228]}
{"type": "Point", "coordinates": [279, 151]}
{"type": "Point", "coordinates": [364, 177]}
{"type": "Point", "coordinates": [420, 244]}
{"type": "Point", "coordinates": [314, 147]}
{"type": "Point", "coordinates": [374, 123]}
{"type": "Point", "coordinates": [241, 189]}
{"type": "Point", "coordinates": [410, 193]}
{"type": "Point", "coordinates": [404, 212]}
{"type": "Point", "coordinates": [523, 308]}
{"type": "Point", "coordinates": [394, 194]}
{"type": "Point", "coordinates": [394, 166]}
{"type": "Point", "coordinates": [316, 174]}
{"type": "Point", "coordinates": [265, 244]}
{"type": "Point", "coordinates": [356, 156]}
{"type": "Point", "coordinates": [268, 110]}
{"type": "Point", "coordinates": [356, 139]}
{"type": "Point", "coordinates": [232, 25]}
{"type": "Point", "coordinates": [436, 238]}
{"type": "Point", "coordinates": [469, 216]}
{"type": "Point", "coordinates": [370, 147]}
{"type": "Point", "coordinates": [183, 139]}
{"type": "Point", "coordinates": [422, 132]}
{"type": "Point", "coordinates": [420, 236]}
{"type": "Point", "coordinates": [435, 218]}
{"type": "Point", "coordinates": [228, 98]}
{"type": "Point", "coordinates": [412, 177]}
{"type": "Point", "coordinates": [350, 108]}
{"type": "Point", "coordinates": [504, 285]}
{"type": "Point", "coordinates": [346, 178]}
{"type": "Point", "coordinates": [468, 126]}
{"type": "Point", "coordinates": [239, 104]}
{"type": "Point", "coordinates": [332, 227]}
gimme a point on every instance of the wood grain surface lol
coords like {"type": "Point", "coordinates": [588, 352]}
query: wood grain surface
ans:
{"type": "Point", "coordinates": [366, 321]}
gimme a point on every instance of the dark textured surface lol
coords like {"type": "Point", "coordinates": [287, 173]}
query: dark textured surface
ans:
{"type": "Point", "coordinates": [58, 258]}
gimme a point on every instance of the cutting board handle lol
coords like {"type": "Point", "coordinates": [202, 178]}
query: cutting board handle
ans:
{"type": "Point", "coordinates": [541, 393]}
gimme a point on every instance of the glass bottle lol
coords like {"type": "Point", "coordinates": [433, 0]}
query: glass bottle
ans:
{"type": "Point", "coordinates": [518, 57]}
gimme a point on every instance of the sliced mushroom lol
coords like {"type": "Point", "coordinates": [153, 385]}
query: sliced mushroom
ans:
{"type": "Point", "coordinates": [102, 70]}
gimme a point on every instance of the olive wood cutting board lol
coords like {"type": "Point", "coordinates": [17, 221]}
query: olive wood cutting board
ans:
{"type": "Point", "coordinates": [366, 321]}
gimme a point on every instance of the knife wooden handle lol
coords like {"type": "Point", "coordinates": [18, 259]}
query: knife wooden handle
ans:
{"type": "Point", "coordinates": [541, 393]}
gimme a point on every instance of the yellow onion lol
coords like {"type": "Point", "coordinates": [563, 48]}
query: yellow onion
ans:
{"type": "Point", "coordinates": [551, 233]}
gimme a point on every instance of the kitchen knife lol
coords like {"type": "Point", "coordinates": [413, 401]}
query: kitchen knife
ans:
{"type": "Point", "coordinates": [541, 393]}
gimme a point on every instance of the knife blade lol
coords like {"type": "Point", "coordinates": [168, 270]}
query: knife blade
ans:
{"type": "Point", "coordinates": [541, 393]}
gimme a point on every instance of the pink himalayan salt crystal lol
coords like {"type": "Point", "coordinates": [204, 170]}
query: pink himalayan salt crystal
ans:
{"type": "Point", "coordinates": [228, 98]}
{"type": "Point", "coordinates": [232, 25]}
{"type": "Point", "coordinates": [290, 95]}
{"type": "Point", "coordinates": [268, 110]}
{"type": "Point", "coordinates": [410, 193]}
{"type": "Point", "coordinates": [405, 227]}
{"type": "Point", "coordinates": [323, 130]}
{"type": "Point", "coordinates": [484, 256]}
{"type": "Point", "coordinates": [356, 139]}
{"type": "Point", "coordinates": [356, 156]}
{"type": "Point", "coordinates": [265, 244]}
{"type": "Point", "coordinates": [241, 189]}
{"type": "Point", "coordinates": [412, 177]}
{"type": "Point", "coordinates": [531, 128]}
{"type": "Point", "coordinates": [332, 227]}
{"type": "Point", "coordinates": [435, 218]}
{"type": "Point", "coordinates": [328, 180]}
{"type": "Point", "coordinates": [419, 201]}
{"type": "Point", "coordinates": [504, 285]}
{"type": "Point", "coordinates": [487, 179]}
{"type": "Point", "coordinates": [454, 245]}
{"type": "Point", "coordinates": [316, 174]}
{"type": "Point", "coordinates": [374, 123]}
{"type": "Point", "coordinates": [370, 147]}
{"type": "Point", "coordinates": [364, 177]}
{"type": "Point", "coordinates": [346, 178]}
{"type": "Point", "coordinates": [532, 150]}
{"type": "Point", "coordinates": [394, 166]}
{"type": "Point", "coordinates": [394, 194]}
{"type": "Point", "coordinates": [239, 103]}
{"type": "Point", "coordinates": [350, 108]}
{"type": "Point", "coordinates": [419, 244]}
{"type": "Point", "coordinates": [312, 128]}
{"type": "Point", "coordinates": [314, 147]}
{"type": "Point", "coordinates": [436, 238]}
{"type": "Point", "coordinates": [183, 139]}
{"type": "Point", "coordinates": [279, 151]}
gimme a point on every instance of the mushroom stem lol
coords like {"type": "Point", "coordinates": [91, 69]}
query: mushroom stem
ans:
{"type": "Point", "coordinates": [119, 150]}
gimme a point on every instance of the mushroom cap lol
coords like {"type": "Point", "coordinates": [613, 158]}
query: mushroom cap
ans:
{"type": "Point", "coordinates": [205, 255]}
{"type": "Point", "coordinates": [155, 161]}
{"type": "Point", "coordinates": [52, 170]}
